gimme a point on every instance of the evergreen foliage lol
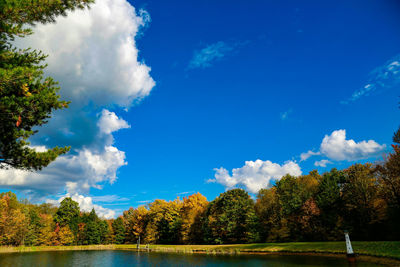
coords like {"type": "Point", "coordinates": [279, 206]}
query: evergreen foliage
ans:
{"type": "Point", "coordinates": [119, 230]}
{"type": "Point", "coordinates": [231, 218]}
{"type": "Point", "coordinates": [27, 98]}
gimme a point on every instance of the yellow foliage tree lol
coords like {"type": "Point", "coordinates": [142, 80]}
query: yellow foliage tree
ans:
{"type": "Point", "coordinates": [192, 209]}
{"type": "Point", "coordinates": [13, 222]}
{"type": "Point", "coordinates": [164, 221]}
{"type": "Point", "coordinates": [65, 236]}
{"type": "Point", "coordinates": [135, 223]}
{"type": "Point", "coordinates": [46, 234]}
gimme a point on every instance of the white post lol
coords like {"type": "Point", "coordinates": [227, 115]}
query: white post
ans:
{"type": "Point", "coordinates": [350, 252]}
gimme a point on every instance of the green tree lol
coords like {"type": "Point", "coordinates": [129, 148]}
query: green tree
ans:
{"type": "Point", "coordinates": [92, 229]}
{"type": "Point", "coordinates": [231, 218]}
{"type": "Point", "coordinates": [92, 233]}
{"type": "Point", "coordinates": [329, 201]}
{"type": "Point", "coordinates": [293, 193]}
{"type": "Point", "coordinates": [104, 231]}
{"type": "Point", "coordinates": [68, 214]}
{"type": "Point", "coordinates": [289, 195]}
{"type": "Point", "coordinates": [33, 230]}
{"type": "Point", "coordinates": [27, 98]}
{"type": "Point", "coordinates": [119, 230]}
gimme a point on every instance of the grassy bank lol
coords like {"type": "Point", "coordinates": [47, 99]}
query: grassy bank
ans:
{"type": "Point", "coordinates": [377, 249]}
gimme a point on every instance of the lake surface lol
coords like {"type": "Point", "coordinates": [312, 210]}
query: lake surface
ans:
{"type": "Point", "coordinates": [143, 259]}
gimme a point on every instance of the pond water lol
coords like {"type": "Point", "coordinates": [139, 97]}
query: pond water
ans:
{"type": "Point", "coordinates": [133, 258]}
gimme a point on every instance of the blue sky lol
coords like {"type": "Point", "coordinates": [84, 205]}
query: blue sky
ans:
{"type": "Point", "coordinates": [230, 82]}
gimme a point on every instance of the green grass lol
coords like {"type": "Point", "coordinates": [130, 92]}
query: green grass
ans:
{"type": "Point", "coordinates": [388, 249]}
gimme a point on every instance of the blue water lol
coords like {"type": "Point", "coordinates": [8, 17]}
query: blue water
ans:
{"type": "Point", "coordinates": [132, 258]}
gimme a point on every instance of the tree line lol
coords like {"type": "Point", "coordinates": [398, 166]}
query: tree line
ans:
{"type": "Point", "coordinates": [363, 199]}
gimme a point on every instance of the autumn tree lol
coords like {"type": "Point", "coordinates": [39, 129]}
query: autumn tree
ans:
{"type": "Point", "coordinates": [268, 211]}
{"type": "Point", "coordinates": [193, 208]}
{"type": "Point", "coordinates": [46, 229]}
{"type": "Point", "coordinates": [135, 223]}
{"type": "Point", "coordinates": [360, 196]}
{"type": "Point", "coordinates": [164, 222]}
{"type": "Point", "coordinates": [389, 180]}
{"type": "Point", "coordinates": [310, 225]}
{"type": "Point", "coordinates": [27, 98]}
{"type": "Point", "coordinates": [13, 222]}
{"type": "Point", "coordinates": [65, 236]}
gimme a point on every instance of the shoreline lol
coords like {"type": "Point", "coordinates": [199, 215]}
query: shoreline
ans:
{"type": "Point", "coordinates": [364, 250]}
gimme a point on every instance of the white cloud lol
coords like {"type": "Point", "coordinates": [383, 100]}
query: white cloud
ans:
{"type": "Point", "coordinates": [78, 173]}
{"type": "Point", "coordinates": [337, 147]}
{"type": "Point", "coordinates": [109, 122]}
{"type": "Point", "coordinates": [86, 204]}
{"type": "Point", "coordinates": [386, 76]}
{"type": "Point", "coordinates": [214, 52]}
{"type": "Point", "coordinates": [322, 163]}
{"type": "Point", "coordinates": [93, 55]}
{"type": "Point", "coordinates": [255, 175]}
{"type": "Point", "coordinates": [308, 154]}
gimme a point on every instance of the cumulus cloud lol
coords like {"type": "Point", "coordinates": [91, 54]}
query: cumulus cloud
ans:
{"type": "Point", "coordinates": [322, 163]}
{"type": "Point", "coordinates": [308, 154]}
{"type": "Point", "coordinates": [86, 204]}
{"type": "Point", "coordinates": [93, 55]}
{"type": "Point", "coordinates": [337, 147]}
{"type": "Point", "coordinates": [386, 76]}
{"type": "Point", "coordinates": [255, 175]}
{"type": "Point", "coordinates": [208, 55]}
{"type": "Point", "coordinates": [109, 122]}
{"type": "Point", "coordinates": [76, 173]}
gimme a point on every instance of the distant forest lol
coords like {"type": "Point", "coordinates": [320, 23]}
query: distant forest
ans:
{"type": "Point", "coordinates": [363, 199]}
